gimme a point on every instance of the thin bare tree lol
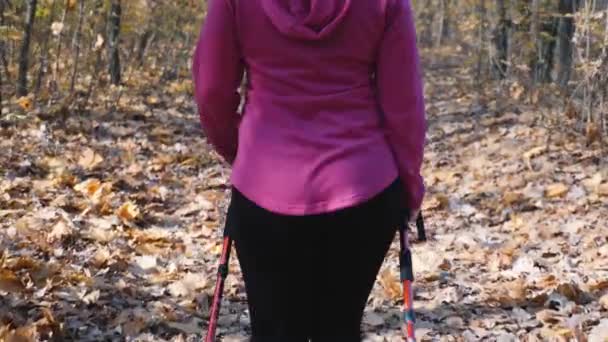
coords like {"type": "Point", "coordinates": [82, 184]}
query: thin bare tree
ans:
{"type": "Point", "coordinates": [76, 45]}
{"type": "Point", "coordinates": [113, 41]}
{"type": "Point", "coordinates": [22, 88]}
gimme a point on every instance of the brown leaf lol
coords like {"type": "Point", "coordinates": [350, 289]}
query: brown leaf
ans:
{"type": "Point", "coordinates": [571, 291]}
{"type": "Point", "coordinates": [512, 197]}
{"type": "Point", "coordinates": [22, 334]}
{"type": "Point", "coordinates": [9, 282]}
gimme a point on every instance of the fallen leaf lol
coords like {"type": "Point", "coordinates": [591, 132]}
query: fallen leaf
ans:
{"type": "Point", "coordinates": [25, 103]}
{"type": "Point", "coordinates": [188, 285]}
{"type": "Point", "coordinates": [592, 184]}
{"type": "Point", "coordinates": [390, 284]}
{"type": "Point", "coordinates": [60, 230]}
{"type": "Point", "coordinates": [512, 197]}
{"type": "Point", "coordinates": [556, 190]}
{"type": "Point", "coordinates": [89, 187]}
{"type": "Point", "coordinates": [549, 316]}
{"type": "Point", "coordinates": [9, 282]}
{"type": "Point", "coordinates": [193, 326]}
{"type": "Point", "coordinates": [570, 291]}
{"type": "Point", "coordinates": [602, 190]}
{"type": "Point", "coordinates": [92, 297]}
{"type": "Point", "coordinates": [455, 322]}
{"type": "Point", "coordinates": [604, 301]}
{"type": "Point", "coordinates": [26, 333]}
{"type": "Point", "coordinates": [89, 159]}
{"type": "Point", "coordinates": [373, 319]}
{"type": "Point", "coordinates": [100, 235]}
{"type": "Point", "coordinates": [101, 257]}
{"type": "Point", "coordinates": [146, 262]}
{"type": "Point", "coordinates": [128, 211]}
{"type": "Point", "coordinates": [600, 332]}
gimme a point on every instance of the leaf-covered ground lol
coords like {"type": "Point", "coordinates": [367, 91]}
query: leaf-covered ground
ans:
{"type": "Point", "coordinates": [110, 225]}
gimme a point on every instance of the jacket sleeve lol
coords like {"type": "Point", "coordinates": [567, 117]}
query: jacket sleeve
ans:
{"type": "Point", "coordinates": [218, 72]}
{"type": "Point", "coordinates": [401, 97]}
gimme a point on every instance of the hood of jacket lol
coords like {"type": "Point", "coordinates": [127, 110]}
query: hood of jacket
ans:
{"type": "Point", "coordinates": [306, 19]}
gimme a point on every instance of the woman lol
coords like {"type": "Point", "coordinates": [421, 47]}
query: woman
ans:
{"type": "Point", "coordinates": [326, 156]}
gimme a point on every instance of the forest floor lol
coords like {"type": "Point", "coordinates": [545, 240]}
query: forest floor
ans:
{"type": "Point", "coordinates": [110, 225]}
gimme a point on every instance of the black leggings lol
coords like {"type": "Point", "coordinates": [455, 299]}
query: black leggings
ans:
{"type": "Point", "coordinates": [309, 277]}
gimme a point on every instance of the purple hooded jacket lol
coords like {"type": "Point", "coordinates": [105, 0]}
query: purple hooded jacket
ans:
{"type": "Point", "coordinates": [334, 111]}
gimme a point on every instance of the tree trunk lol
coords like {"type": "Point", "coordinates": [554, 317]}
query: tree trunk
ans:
{"type": "Point", "coordinates": [1, 83]}
{"type": "Point", "coordinates": [55, 82]}
{"type": "Point", "coordinates": [76, 45]}
{"type": "Point", "coordinates": [501, 41]}
{"type": "Point", "coordinates": [25, 48]}
{"type": "Point", "coordinates": [1, 53]}
{"type": "Point", "coordinates": [44, 56]}
{"type": "Point", "coordinates": [482, 13]}
{"type": "Point", "coordinates": [444, 22]}
{"type": "Point", "coordinates": [2, 6]}
{"type": "Point", "coordinates": [113, 41]}
{"type": "Point", "coordinates": [565, 33]}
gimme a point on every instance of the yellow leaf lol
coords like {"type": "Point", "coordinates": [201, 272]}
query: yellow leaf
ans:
{"type": "Point", "coordinates": [511, 197]}
{"type": "Point", "coordinates": [88, 187]}
{"type": "Point", "coordinates": [556, 190]}
{"type": "Point", "coordinates": [128, 211]}
{"type": "Point", "coordinates": [90, 159]}
{"type": "Point", "coordinates": [152, 100]}
{"type": "Point", "coordinates": [25, 103]}
{"type": "Point", "coordinates": [71, 4]}
{"type": "Point", "coordinates": [390, 285]}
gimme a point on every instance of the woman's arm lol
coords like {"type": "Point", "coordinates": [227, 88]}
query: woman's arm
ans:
{"type": "Point", "coordinates": [401, 97]}
{"type": "Point", "coordinates": [218, 71]}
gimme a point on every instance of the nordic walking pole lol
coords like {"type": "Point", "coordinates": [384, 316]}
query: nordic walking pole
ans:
{"type": "Point", "coordinates": [407, 278]}
{"type": "Point", "coordinates": [222, 273]}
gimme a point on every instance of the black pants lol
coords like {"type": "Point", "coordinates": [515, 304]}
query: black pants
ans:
{"type": "Point", "coordinates": [309, 277]}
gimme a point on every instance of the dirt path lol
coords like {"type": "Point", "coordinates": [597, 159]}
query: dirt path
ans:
{"type": "Point", "coordinates": [109, 228]}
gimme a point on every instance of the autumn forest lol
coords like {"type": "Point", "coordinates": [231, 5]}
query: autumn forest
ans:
{"type": "Point", "coordinates": [112, 202]}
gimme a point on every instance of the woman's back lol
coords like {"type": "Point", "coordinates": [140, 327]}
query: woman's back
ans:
{"type": "Point", "coordinates": [334, 110]}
